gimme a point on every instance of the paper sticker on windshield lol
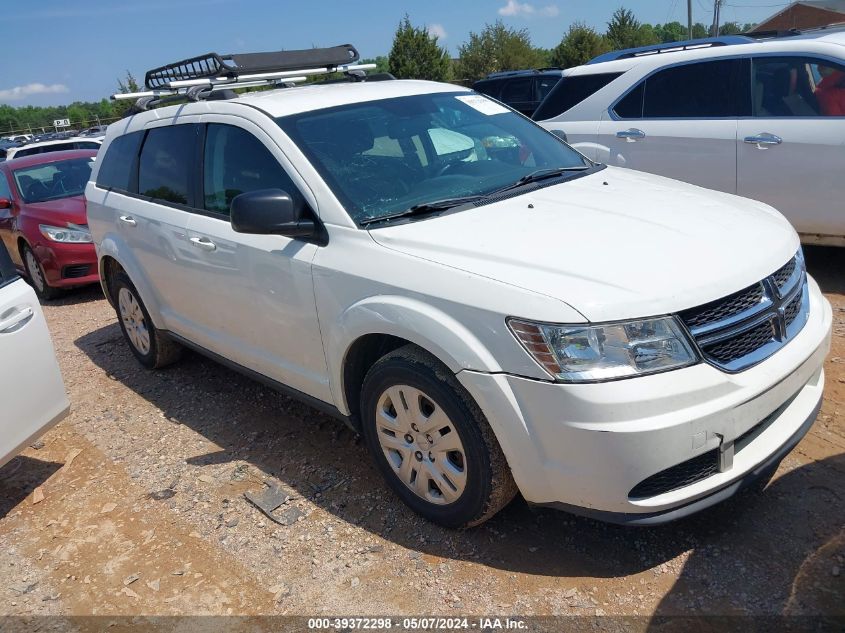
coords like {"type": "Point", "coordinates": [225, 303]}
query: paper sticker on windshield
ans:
{"type": "Point", "coordinates": [483, 104]}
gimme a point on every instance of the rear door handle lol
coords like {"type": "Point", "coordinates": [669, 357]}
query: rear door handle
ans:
{"type": "Point", "coordinates": [204, 243]}
{"type": "Point", "coordinates": [128, 219]}
{"type": "Point", "coordinates": [632, 133]}
{"type": "Point", "coordinates": [764, 138]}
{"type": "Point", "coordinates": [18, 318]}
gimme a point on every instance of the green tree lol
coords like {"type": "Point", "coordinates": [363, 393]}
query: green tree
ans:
{"type": "Point", "coordinates": [671, 32]}
{"type": "Point", "coordinates": [730, 28]}
{"type": "Point", "coordinates": [496, 48]}
{"type": "Point", "coordinates": [416, 55]}
{"type": "Point", "coordinates": [128, 84]}
{"type": "Point", "coordinates": [699, 31]}
{"type": "Point", "coordinates": [580, 44]}
{"type": "Point", "coordinates": [382, 63]}
{"type": "Point", "coordinates": [625, 31]}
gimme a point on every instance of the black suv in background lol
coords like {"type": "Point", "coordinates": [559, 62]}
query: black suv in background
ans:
{"type": "Point", "coordinates": [523, 90]}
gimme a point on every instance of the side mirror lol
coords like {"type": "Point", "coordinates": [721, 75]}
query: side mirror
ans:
{"type": "Point", "coordinates": [5, 203]}
{"type": "Point", "coordinates": [269, 212]}
{"type": "Point", "coordinates": [561, 135]}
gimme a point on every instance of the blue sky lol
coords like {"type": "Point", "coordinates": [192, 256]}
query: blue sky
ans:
{"type": "Point", "coordinates": [76, 51]}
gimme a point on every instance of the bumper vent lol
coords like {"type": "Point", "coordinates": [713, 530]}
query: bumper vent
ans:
{"type": "Point", "coordinates": [76, 271]}
{"type": "Point", "coordinates": [678, 476]}
{"type": "Point", "coordinates": [745, 328]}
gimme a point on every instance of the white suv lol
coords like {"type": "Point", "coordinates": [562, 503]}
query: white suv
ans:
{"type": "Point", "coordinates": [762, 119]}
{"type": "Point", "coordinates": [490, 309]}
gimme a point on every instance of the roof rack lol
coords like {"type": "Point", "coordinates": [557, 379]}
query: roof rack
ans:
{"type": "Point", "coordinates": [673, 47]}
{"type": "Point", "coordinates": [197, 78]}
{"type": "Point", "coordinates": [515, 73]}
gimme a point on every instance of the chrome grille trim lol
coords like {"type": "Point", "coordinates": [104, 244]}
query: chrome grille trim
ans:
{"type": "Point", "coordinates": [738, 341]}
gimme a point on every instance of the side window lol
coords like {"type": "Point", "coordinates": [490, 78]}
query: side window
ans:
{"type": "Point", "coordinates": [518, 90]}
{"type": "Point", "coordinates": [236, 162]}
{"type": "Point", "coordinates": [119, 166]}
{"type": "Point", "coordinates": [545, 85]}
{"type": "Point", "coordinates": [631, 105]}
{"type": "Point", "coordinates": [7, 269]}
{"type": "Point", "coordinates": [5, 190]}
{"type": "Point", "coordinates": [701, 90]}
{"type": "Point", "coordinates": [86, 145]}
{"type": "Point", "coordinates": [165, 167]}
{"type": "Point", "coordinates": [797, 86]}
{"type": "Point", "coordinates": [569, 92]}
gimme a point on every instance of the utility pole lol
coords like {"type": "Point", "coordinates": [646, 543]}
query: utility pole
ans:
{"type": "Point", "coordinates": [689, 19]}
{"type": "Point", "coordinates": [717, 5]}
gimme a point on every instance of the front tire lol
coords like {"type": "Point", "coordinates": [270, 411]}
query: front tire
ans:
{"type": "Point", "coordinates": [35, 272]}
{"type": "Point", "coordinates": [431, 441]}
{"type": "Point", "coordinates": [152, 347]}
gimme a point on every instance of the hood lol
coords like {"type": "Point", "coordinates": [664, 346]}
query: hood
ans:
{"type": "Point", "coordinates": [616, 244]}
{"type": "Point", "coordinates": [59, 211]}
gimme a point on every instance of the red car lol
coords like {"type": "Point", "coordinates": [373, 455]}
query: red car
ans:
{"type": "Point", "coordinates": [43, 221]}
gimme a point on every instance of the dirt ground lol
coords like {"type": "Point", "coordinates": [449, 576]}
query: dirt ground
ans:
{"type": "Point", "coordinates": [143, 511]}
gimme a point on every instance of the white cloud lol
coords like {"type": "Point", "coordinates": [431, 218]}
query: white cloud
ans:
{"type": "Point", "coordinates": [523, 9]}
{"type": "Point", "coordinates": [437, 30]}
{"type": "Point", "coordinates": [22, 92]}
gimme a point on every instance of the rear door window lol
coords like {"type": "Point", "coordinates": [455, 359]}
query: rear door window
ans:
{"type": "Point", "coordinates": [518, 91]}
{"type": "Point", "coordinates": [166, 164]}
{"type": "Point", "coordinates": [119, 168]}
{"type": "Point", "coordinates": [236, 162]}
{"type": "Point", "coordinates": [569, 92]}
{"type": "Point", "coordinates": [797, 87]}
{"type": "Point", "coordinates": [712, 89]}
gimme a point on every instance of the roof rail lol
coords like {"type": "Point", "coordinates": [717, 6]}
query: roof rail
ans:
{"type": "Point", "coordinates": [197, 77]}
{"type": "Point", "coordinates": [506, 73]}
{"type": "Point", "coordinates": [673, 47]}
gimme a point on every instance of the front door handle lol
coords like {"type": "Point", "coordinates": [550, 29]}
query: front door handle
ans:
{"type": "Point", "coordinates": [204, 243]}
{"type": "Point", "coordinates": [762, 139]}
{"type": "Point", "coordinates": [630, 134]}
{"type": "Point", "coordinates": [128, 219]}
{"type": "Point", "coordinates": [17, 319]}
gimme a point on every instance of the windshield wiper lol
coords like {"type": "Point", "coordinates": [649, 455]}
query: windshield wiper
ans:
{"type": "Point", "coordinates": [423, 209]}
{"type": "Point", "coordinates": [540, 174]}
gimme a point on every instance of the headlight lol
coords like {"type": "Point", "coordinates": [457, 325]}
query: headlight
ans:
{"type": "Point", "coordinates": [590, 353]}
{"type": "Point", "coordinates": [72, 233]}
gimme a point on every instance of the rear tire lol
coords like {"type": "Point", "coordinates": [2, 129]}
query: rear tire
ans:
{"type": "Point", "coordinates": [431, 441]}
{"type": "Point", "coordinates": [37, 278]}
{"type": "Point", "coordinates": [152, 347]}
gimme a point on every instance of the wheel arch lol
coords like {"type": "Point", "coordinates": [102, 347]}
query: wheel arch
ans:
{"type": "Point", "coordinates": [115, 256]}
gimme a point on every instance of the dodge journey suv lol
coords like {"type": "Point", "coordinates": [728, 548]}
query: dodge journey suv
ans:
{"type": "Point", "coordinates": [490, 309]}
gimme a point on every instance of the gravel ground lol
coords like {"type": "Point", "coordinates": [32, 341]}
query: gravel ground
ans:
{"type": "Point", "coordinates": [143, 511]}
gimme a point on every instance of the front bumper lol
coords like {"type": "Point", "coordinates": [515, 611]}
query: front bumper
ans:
{"type": "Point", "coordinates": [585, 447]}
{"type": "Point", "coordinates": [67, 264]}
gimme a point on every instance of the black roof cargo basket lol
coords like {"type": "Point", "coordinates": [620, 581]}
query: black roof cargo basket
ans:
{"type": "Point", "coordinates": [214, 66]}
{"type": "Point", "coordinates": [213, 76]}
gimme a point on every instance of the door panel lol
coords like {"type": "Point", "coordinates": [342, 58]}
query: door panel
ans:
{"type": "Point", "coordinates": [791, 154]}
{"type": "Point", "coordinates": [700, 152]}
{"type": "Point", "coordinates": [31, 389]}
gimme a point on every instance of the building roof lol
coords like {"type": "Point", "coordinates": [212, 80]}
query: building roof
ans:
{"type": "Point", "coordinates": [804, 14]}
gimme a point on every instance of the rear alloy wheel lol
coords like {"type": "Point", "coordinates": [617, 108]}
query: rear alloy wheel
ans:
{"type": "Point", "coordinates": [152, 347]}
{"type": "Point", "coordinates": [431, 441]}
{"type": "Point", "coordinates": [37, 277]}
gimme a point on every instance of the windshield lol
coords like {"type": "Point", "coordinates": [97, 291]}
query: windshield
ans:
{"type": "Point", "coordinates": [383, 157]}
{"type": "Point", "coordinates": [62, 179]}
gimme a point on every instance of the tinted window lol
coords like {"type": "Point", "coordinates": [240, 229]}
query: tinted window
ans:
{"type": "Point", "coordinates": [545, 85]}
{"type": "Point", "coordinates": [518, 90]}
{"type": "Point", "coordinates": [166, 163]}
{"type": "Point", "coordinates": [5, 191]}
{"type": "Point", "coordinates": [86, 145]}
{"type": "Point", "coordinates": [797, 86]}
{"type": "Point", "coordinates": [569, 92]}
{"type": "Point", "coordinates": [237, 162]}
{"type": "Point", "coordinates": [631, 105]}
{"type": "Point", "coordinates": [119, 166]}
{"type": "Point", "coordinates": [7, 269]}
{"type": "Point", "coordinates": [488, 86]}
{"type": "Point", "coordinates": [701, 90]}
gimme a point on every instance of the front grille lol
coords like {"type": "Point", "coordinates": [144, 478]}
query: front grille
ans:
{"type": "Point", "coordinates": [730, 306]}
{"type": "Point", "coordinates": [746, 327]}
{"type": "Point", "coordinates": [678, 476]}
{"type": "Point", "coordinates": [736, 347]}
{"type": "Point", "coordinates": [76, 271]}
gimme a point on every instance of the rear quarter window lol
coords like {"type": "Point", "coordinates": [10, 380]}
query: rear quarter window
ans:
{"type": "Point", "coordinates": [119, 167]}
{"type": "Point", "coordinates": [167, 163]}
{"type": "Point", "coordinates": [569, 92]}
